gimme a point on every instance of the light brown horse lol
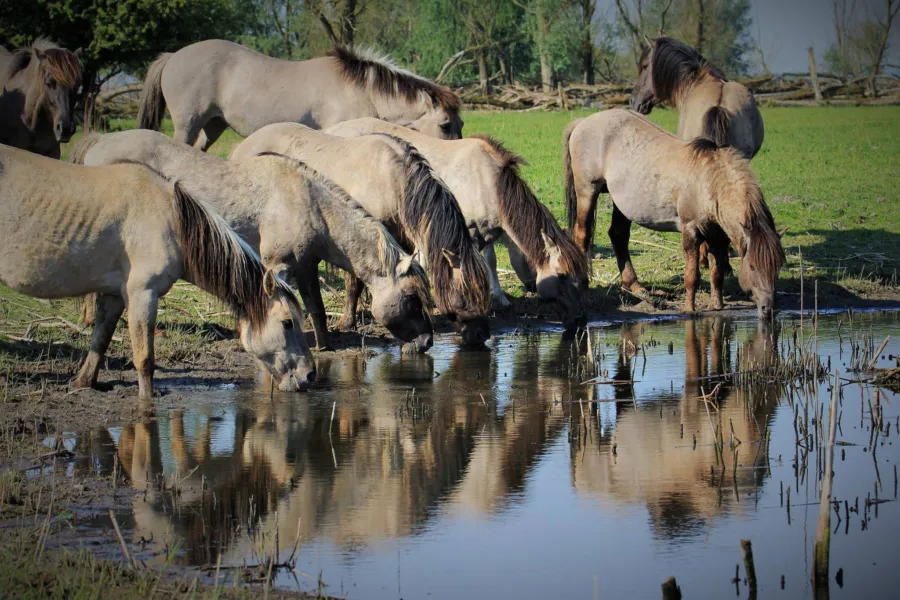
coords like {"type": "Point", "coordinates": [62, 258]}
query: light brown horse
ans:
{"type": "Point", "coordinates": [296, 218]}
{"type": "Point", "coordinates": [396, 185]}
{"type": "Point", "coordinates": [667, 184]}
{"type": "Point", "coordinates": [497, 203]}
{"type": "Point", "coordinates": [127, 234]}
{"type": "Point", "coordinates": [38, 90]}
{"type": "Point", "coordinates": [708, 104]}
{"type": "Point", "coordinates": [212, 85]}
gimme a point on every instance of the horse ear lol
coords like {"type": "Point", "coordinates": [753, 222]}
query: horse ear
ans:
{"type": "Point", "coordinates": [647, 41]}
{"type": "Point", "coordinates": [270, 283]}
{"type": "Point", "coordinates": [782, 232]}
{"type": "Point", "coordinates": [452, 258]}
{"type": "Point", "coordinates": [404, 265]}
{"type": "Point", "coordinates": [551, 246]}
{"type": "Point", "coordinates": [78, 53]}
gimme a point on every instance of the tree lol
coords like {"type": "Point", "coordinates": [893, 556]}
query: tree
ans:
{"type": "Point", "coordinates": [117, 35]}
{"type": "Point", "coordinates": [873, 40]}
{"type": "Point", "coordinates": [339, 18]}
{"type": "Point", "coordinates": [838, 57]}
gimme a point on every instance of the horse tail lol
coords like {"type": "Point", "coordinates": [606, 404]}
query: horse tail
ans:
{"type": "Point", "coordinates": [83, 146]}
{"type": "Point", "coordinates": [716, 125]}
{"type": "Point", "coordinates": [153, 103]}
{"type": "Point", "coordinates": [571, 198]}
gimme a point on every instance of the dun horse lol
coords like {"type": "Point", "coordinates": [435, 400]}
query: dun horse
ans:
{"type": "Point", "coordinates": [212, 85]}
{"type": "Point", "coordinates": [666, 184]}
{"type": "Point", "coordinates": [708, 104]}
{"type": "Point", "coordinates": [38, 87]}
{"type": "Point", "coordinates": [296, 218]}
{"type": "Point", "coordinates": [395, 183]}
{"type": "Point", "coordinates": [497, 203]}
{"type": "Point", "coordinates": [127, 234]}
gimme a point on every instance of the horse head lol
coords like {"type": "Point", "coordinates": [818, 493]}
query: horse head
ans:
{"type": "Point", "coordinates": [643, 98]}
{"type": "Point", "coordinates": [55, 88]}
{"type": "Point", "coordinates": [558, 279]}
{"type": "Point", "coordinates": [402, 302]}
{"type": "Point", "coordinates": [761, 259]}
{"type": "Point", "coordinates": [470, 319]}
{"type": "Point", "coordinates": [440, 122]}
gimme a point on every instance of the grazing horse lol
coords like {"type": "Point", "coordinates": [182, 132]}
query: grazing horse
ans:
{"type": "Point", "coordinates": [212, 85]}
{"type": "Point", "coordinates": [395, 184]}
{"type": "Point", "coordinates": [708, 104]}
{"type": "Point", "coordinates": [38, 87]}
{"type": "Point", "coordinates": [667, 184]}
{"type": "Point", "coordinates": [127, 234]}
{"type": "Point", "coordinates": [296, 218]}
{"type": "Point", "coordinates": [497, 203]}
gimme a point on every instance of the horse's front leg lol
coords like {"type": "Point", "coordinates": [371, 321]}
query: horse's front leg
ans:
{"type": "Point", "coordinates": [353, 287]}
{"type": "Point", "coordinates": [108, 310]}
{"type": "Point", "coordinates": [690, 246]}
{"type": "Point", "coordinates": [307, 281]}
{"type": "Point", "coordinates": [142, 307]}
{"type": "Point", "coordinates": [520, 265]}
{"type": "Point", "coordinates": [500, 302]}
{"type": "Point", "coordinates": [717, 270]}
{"type": "Point", "coordinates": [619, 235]}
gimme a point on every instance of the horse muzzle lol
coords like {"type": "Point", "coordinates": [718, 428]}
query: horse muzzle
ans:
{"type": "Point", "coordinates": [475, 331]}
{"type": "Point", "coordinates": [63, 134]}
{"type": "Point", "coordinates": [299, 380]}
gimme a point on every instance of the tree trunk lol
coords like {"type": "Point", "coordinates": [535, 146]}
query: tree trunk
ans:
{"type": "Point", "coordinates": [89, 90]}
{"type": "Point", "coordinates": [543, 32]}
{"type": "Point", "coordinates": [587, 42]}
{"type": "Point", "coordinates": [484, 82]}
{"type": "Point", "coordinates": [700, 17]}
{"type": "Point", "coordinates": [813, 76]}
{"type": "Point", "coordinates": [348, 22]}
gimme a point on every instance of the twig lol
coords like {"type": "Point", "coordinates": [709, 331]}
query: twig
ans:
{"type": "Point", "coordinates": [112, 516]}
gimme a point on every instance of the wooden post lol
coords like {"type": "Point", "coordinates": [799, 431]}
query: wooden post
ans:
{"type": "Point", "coordinates": [823, 533]}
{"type": "Point", "coordinates": [670, 590]}
{"type": "Point", "coordinates": [747, 550]}
{"type": "Point", "coordinates": [813, 76]}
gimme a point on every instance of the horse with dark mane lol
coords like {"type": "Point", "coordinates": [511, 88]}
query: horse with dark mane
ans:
{"type": "Point", "coordinates": [38, 87]}
{"type": "Point", "coordinates": [212, 85]}
{"type": "Point", "coordinates": [705, 192]}
{"type": "Point", "coordinates": [709, 105]}
{"type": "Point", "coordinates": [498, 204]}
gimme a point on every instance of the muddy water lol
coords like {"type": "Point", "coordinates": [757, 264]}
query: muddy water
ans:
{"type": "Point", "coordinates": [495, 473]}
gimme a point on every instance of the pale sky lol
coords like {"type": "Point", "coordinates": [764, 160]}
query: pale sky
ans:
{"type": "Point", "coordinates": [789, 27]}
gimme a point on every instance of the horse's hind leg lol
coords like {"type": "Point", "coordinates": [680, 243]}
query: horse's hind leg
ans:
{"type": "Point", "coordinates": [704, 255]}
{"type": "Point", "coordinates": [690, 245]}
{"type": "Point", "coordinates": [108, 310]}
{"type": "Point", "coordinates": [717, 271]}
{"type": "Point", "coordinates": [619, 235]}
{"type": "Point", "coordinates": [307, 280]}
{"type": "Point", "coordinates": [213, 129]}
{"type": "Point", "coordinates": [354, 288]}
{"type": "Point", "coordinates": [142, 307]}
{"type": "Point", "coordinates": [500, 302]}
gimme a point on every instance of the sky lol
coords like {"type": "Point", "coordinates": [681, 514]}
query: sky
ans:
{"type": "Point", "coordinates": [789, 27]}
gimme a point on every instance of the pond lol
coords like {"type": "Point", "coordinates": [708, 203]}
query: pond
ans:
{"type": "Point", "coordinates": [499, 473]}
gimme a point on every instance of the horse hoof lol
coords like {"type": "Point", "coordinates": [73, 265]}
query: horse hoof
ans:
{"type": "Point", "coordinates": [345, 324]}
{"type": "Point", "coordinates": [501, 304]}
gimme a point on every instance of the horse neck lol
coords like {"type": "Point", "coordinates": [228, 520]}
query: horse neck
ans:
{"type": "Point", "coordinates": [728, 205]}
{"type": "Point", "coordinates": [348, 238]}
{"type": "Point", "coordinates": [396, 107]}
{"type": "Point", "coordinates": [687, 88]}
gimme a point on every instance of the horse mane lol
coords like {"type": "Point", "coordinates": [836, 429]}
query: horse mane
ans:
{"type": "Point", "coordinates": [370, 70]}
{"type": "Point", "coordinates": [389, 251]}
{"type": "Point", "coordinates": [676, 64]}
{"type": "Point", "coordinates": [62, 65]}
{"type": "Point", "coordinates": [431, 209]}
{"type": "Point", "coordinates": [766, 252]}
{"type": "Point", "coordinates": [524, 214]}
{"type": "Point", "coordinates": [218, 260]}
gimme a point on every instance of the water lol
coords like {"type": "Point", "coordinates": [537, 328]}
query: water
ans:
{"type": "Point", "coordinates": [484, 474]}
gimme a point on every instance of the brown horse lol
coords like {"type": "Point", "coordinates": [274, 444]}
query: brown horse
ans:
{"type": "Point", "coordinates": [38, 87]}
{"type": "Point", "coordinates": [708, 104]}
{"type": "Point", "coordinates": [666, 184]}
{"type": "Point", "coordinates": [212, 85]}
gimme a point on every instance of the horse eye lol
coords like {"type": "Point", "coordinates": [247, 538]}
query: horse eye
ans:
{"type": "Point", "coordinates": [288, 324]}
{"type": "Point", "coordinates": [445, 127]}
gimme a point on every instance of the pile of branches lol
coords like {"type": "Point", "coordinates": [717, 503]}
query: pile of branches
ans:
{"type": "Point", "coordinates": [519, 97]}
{"type": "Point", "coordinates": [797, 89]}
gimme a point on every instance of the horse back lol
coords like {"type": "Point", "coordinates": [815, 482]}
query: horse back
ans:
{"type": "Point", "coordinates": [724, 111]}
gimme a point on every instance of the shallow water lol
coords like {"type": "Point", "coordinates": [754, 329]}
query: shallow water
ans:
{"type": "Point", "coordinates": [495, 473]}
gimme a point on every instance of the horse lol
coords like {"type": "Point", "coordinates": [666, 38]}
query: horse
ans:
{"type": "Point", "coordinates": [708, 104]}
{"type": "Point", "coordinates": [706, 192]}
{"type": "Point", "coordinates": [38, 90]}
{"type": "Point", "coordinates": [497, 203]}
{"type": "Point", "coordinates": [212, 85]}
{"type": "Point", "coordinates": [295, 218]}
{"type": "Point", "coordinates": [394, 183]}
{"type": "Point", "coordinates": [126, 233]}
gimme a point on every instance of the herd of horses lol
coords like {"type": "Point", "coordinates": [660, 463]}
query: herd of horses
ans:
{"type": "Point", "coordinates": [354, 161]}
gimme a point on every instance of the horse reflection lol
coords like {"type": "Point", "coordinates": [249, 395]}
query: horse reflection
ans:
{"type": "Point", "coordinates": [644, 458]}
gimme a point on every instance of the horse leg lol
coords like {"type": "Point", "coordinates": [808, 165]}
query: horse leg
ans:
{"type": "Point", "coordinates": [189, 131]}
{"type": "Point", "coordinates": [717, 271]}
{"type": "Point", "coordinates": [690, 246]}
{"type": "Point", "coordinates": [619, 235]}
{"type": "Point", "coordinates": [500, 302]}
{"type": "Point", "coordinates": [142, 306]}
{"type": "Point", "coordinates": [586, 213]}
{"type": "Point", "coordinates": [704, 255]}
{"type": "Point", "coordinates": [307, 280]}
{"type": "Point", "coordinates": [520, 265]}
{"type": "Point", "coordinates": [213, 129]}
{"type": "Point", "coordinates": [108, 310]}
{"type": "Point", "coordinates": [354, 288]}
{"type": "Point", "coordinates": [89, 309]}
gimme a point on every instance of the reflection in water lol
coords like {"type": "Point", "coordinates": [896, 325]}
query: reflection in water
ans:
{"type": "Point", "coordinates": [415, 449]}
